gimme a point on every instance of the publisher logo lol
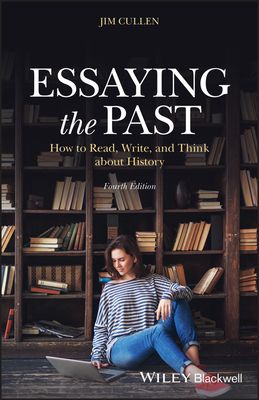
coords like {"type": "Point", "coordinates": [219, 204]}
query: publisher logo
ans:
{"type": "Point", "coordinates": [127, 21]}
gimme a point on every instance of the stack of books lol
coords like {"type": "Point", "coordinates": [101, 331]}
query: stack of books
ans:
{"type": "Point", "coordinates": [7, 115]}
{"type": "Point", "coordinates": [249, 105]}
{"type": "Point", "coordinates": [126, 195]}
{"type": "Point", "coordinates": [7, 66]}
{"type": "Point", "coordinates": [216, 150]}
{"type": "Point", "coordinates": [195, 159]}
{"type": "Point", "coordinates": [6, 235]}
{"type": "Point", "coordinates": [206, 327]}
{"type": "Point", "coordinates": [175, 273]}
{"type": "Point", "coordinates": [7, 196]}
{"type": "Point", "coordinates": [49, 159]}
{"type": "Point", "coordinates": [208, 281]}
{"type": "Point", "coordinates": [103, 199]}
{"type": "Point", "coordinates": [249, 146]}
{"type": "Point", "coordinates": [146, 241]}
{"type": "Point", "coordinates": [207, 199]}
{"type": "Point", "coordinates": [7, 160]}
{"type": "Point", "coordinates": [31, 113]}
{"type": "Point", "coordinates": [30, 329]}
{"type": "Point", "coordinates": [249, 186]}
{"type": "Point", "coordinates": [248, 239]}
{"type": "Point", "coordinates": [49, 287]}
{"type": "Point", "coordinates": [7, 279]}
{"type": "Point", "coordinates": [45, 244]}
{"type": "Point", "coordinates": [247, 280]}
{"type": "Point", "coordinates": [70, 237]}
{"type": "Point", "coordinates": [69, 195]}
{"type": "Point", "coordinates": [191, 236]}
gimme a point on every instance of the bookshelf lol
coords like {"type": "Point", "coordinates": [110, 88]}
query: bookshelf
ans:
{"type": "Point", "coordinates": [26, 140]}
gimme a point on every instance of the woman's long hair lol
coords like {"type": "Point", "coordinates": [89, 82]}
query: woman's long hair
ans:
{"type": "Point", "coordinates": [129, 245]}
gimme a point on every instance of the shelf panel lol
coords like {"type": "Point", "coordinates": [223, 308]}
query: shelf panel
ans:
{"type": "Point", "coordinates": [191, 253]}
{"type": "Point", "coordinates": [195, 296]}
{"type": "Point", "coordinates": [192, 167]}
{"type": "Point", "coordinates": [248, 294]}
{"type": "Point", "coordinates": [244, 208]}
{"type": "Point", "coordinates": [39, 338]}
{"type": "Point", "coordinates": [57, 254]}
{"type": "Point", "coordinates": [249, 122]}
{"type": "Point", "coordinates": [7, 169]}
{"type": "Point", "coordinates": [35, 168]}
{"type": "Point", "coordinates": [246, 165]}
{"type": "Point", "coordinates": [248, 251]}
{"type": "Point", "coordinates": [7, 125]}
{"type": "Point", "coordinates": [8, 211]}
{"type": "Point", "coordinates": [192, 210]}
{"type": "Point", "coordinates": [124, 211]}
{"type": "Point", "coordinates": [54, 212]}
{"type": "Point", "coordinates": [8, 297]}
{"type": "Point", "coordinates": [8, 254]}
{"type": "Point", "coordinates": [68, 296]}
{"type": "Point", "coordinates": [126, 168]}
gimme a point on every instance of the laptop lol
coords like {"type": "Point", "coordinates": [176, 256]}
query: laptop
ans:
{"type": "Point", "coordinates": [84, 369]}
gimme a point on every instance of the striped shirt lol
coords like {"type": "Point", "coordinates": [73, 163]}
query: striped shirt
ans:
{"type": "Point", "coordinates": [129, 307]}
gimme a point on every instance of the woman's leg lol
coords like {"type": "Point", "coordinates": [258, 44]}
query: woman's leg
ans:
{"type": "Point", "coordinates": [181, 323]}
{"type": "Point", "coordinates": [132, 350]}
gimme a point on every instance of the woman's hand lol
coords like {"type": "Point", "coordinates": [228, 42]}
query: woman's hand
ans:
{"type": "Point", "coordinates": [99, 364]}
{"type": "Point", "coordinates": [164, 309]}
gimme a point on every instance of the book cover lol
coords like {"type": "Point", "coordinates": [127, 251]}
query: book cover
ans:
{"type": "Point", "coordinates": [139, 119]}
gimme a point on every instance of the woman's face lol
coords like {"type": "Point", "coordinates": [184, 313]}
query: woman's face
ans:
{"type": "Point", "coordinates": [123, 263]}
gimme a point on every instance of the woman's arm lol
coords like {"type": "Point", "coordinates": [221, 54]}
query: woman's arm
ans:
{"type": "Point", "coordinates": [101, 331]}
{"type": "Point", "coordinates": [167, 289]}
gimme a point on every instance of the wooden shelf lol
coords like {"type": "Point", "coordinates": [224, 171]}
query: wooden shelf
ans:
{"type": "Point", "coordinates": [244, 208]}
{"type": "Point", "coordinates": [35, 168]}
{"type": "Point", "coordinates": [64, 296]}
{"type": "Point", "coordinates": [192, 210]}
{"type": "Point", "coordinates": [196, 167]}
{"type": "Point", "coordinates": [122, 168]}
{"type": "Point", "coordinates": [192, 253]}
{"type": "Point", "coordinates": [248, 251]}
{"type": "Point", "coordinates": [248, 122]}
{"type": "Point", "coordinates": [248, 294]}
{"type": "Point", "coordinates": [8, 211]}
{"type": "Point", "coordinates": [124, 211]}
{"type": "Point", "coordinates": [7, 169]}
{"type": "Point", "coordinates": [80, 212]}
{"type": "Point", "coordinates": [248, 166]}
{"type": "Point", "coordinates": [7, 297]}
{"type": "Point", "coordinates": [8, 254]}
{"type": "Point", "coordinates": [56, 254]}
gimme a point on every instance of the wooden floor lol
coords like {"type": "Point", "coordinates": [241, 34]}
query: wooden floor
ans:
{"type": "Point", "coordinates": [37, 379]}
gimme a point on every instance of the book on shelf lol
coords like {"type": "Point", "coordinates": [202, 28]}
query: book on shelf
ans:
{"type": "Point", "coordinates": [126, 195]}
{"type": "Point", "coordinates": [7, 279]}
{"type": "Point", "coordinates": [7, 159]}
{"type": "Point", "coordinates": [249, 145]}
{"type": "Point", "coordinates": [249, 186]}
{"type": "Point", "coordinates": [39, 289]}
{"type": "Point", "coordinates": [208, 281]}
{"type": "Point", "coordinates": [175, 273]}
{"type": "Point", "coordinates": [216, 150]}
{"type": "Point", "coordinates": [191, 236]}
{"type": "Point", "coordinates": [70, 237]}
{"type": "Point", "coordinates": [7, 196]}
{"type": "Point", "coordinates": [49, 159]}
{"type": "Point", "coordinates": [248, 239]}
{"type": "Point", "coordinates": [9, 323]}
{"type": "Point", "coordinates": [30, 329]}
{"type": "Point", "coordinates": [69, 195]}
{"type": "Point", "coordinates": [206, 199]}
{"type": "Point", "coordinates": [70, 275]}
{"type": "Point", "coordinates": [195, 159]}
{"type": "Point", "coordinates": [146, 241]}
{"type": "Point", "coordinates": [55, 328]}
{"type": "Point", "coordinates": [7, 232]}
{"type": "Point", "coordinates": [7, 115]}
{"type": "Point", "coordinates": [249, 105]}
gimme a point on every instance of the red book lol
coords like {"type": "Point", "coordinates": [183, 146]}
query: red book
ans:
{"type": "Point", "coordinates": [9, 323]}
{"type": "Point", "coordinates": [43, 290]}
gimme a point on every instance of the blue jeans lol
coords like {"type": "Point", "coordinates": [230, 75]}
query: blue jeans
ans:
{"type": "Point", "coordinates": [130, 351]}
